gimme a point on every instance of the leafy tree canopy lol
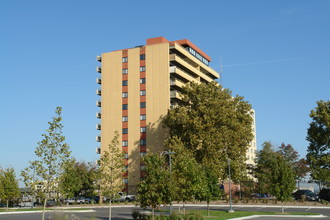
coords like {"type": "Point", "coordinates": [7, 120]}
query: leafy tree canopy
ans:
{"type": "Point", "coordinates": [318, 135]}
{"type": "Point", "coordinates": [78, 178]}
{"type": "Point", "coordinates": [154, 189]}
{"type": "Point", "coordinates": [213, 125]}
{"type": "Point", "coordinates": [9, 189]}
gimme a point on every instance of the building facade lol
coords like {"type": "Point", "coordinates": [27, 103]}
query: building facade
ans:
{"type": "Point", "coordinates": [137, 87]}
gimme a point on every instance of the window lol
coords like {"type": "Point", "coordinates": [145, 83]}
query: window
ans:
{"type": "Point", "coordinates": [142, 80]}
{"type": "Point", "coordinates": [125, 118]}
{"type": "Point", "coordinates": [125, 71]}
{"type": "Point", "coordinates": [125, 82]}
{"type": "Point", "coordinates": [125, 106]}
{"type": "Point", "coordinates": [125, 181]}
{"type": "Point", "coordinates": [142, 92]}
{"type": "Point", "coordinates": [126, 168]}
{"type": "Point", "coordinates": [142, 167]}
{"type": "Point", "coordinates": [143, 142]}
{"type": "Point", "coordinates": [125, 155]}
{"type": "Point", "coordinates": [143, 129]}
{"type": "Point", "coordinates": [143, 117]}
{"type": "Point", "coordinates": [142, 56]}
{"type": "Point", "coordinates": [125, 59]}
{"type": "Point", "coordinates": [124, 143]}
{"type": "Point", "coordinates": [142, 68]}
{"type": "Point", "coordinates": [125, 94]}
{"type": "Point", "coordinates": [142, 154]}
{"type": "Point", "coordinates": [125, 130]}
{"type": "Point", "coordinates": [142, 104]}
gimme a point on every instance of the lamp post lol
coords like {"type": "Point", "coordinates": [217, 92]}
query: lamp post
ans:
{"type": "Point", "coordinates": [231, 210]}
{"type": "Point", "coordinates": [169, 153]}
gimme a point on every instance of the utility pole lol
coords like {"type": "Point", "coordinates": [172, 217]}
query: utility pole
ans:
{"type": "Point", "coordinates": [230, 200]}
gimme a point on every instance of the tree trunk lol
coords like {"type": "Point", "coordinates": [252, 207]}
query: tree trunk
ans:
{"type": "Point", "coordinates": [282, 208]}
{"type": "Point", "coordinates": [110, 209]}
{"type": "Point", "coordinates": [184, 208]}
{"type": "Point", "coordinates": [7, 203]}
{"type": "Point", "coordinates": [44, 209]}
{"type": "Point", "coordinates": [153, 213]}
{"type": "Point", "coordinates": [208, 208]}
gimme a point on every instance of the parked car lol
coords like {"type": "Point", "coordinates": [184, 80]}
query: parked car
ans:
{"type": "Point", "coordinates": [50, 203]}
{"type": "Point", "coordinates": [78, 200]}
{"type": "Point", "coordinates": [122, 197]}
{"type": "Point", "coordinates": [325, 194]}
{"type": "Point", "coordinates": [259, 195]}
{"type": "Point", "coordinates": [310, 196]}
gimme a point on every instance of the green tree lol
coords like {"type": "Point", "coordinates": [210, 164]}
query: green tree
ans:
{"type": "Point", "coordinates": [282, 181]}
{"type": "Point", "coordinates": [318, 135]}
{"type": "Point", "coordinates": [78, 178]}
{"type": "Point", "coordinates": [154, 189]}
{"type": "Point", "coordinates": [9, 190]}
{"type": "Point", "coordinates": [292, 157]}
{"type": "Point", "coordinates": [190, 180]}
{"type": "Point", "coordinates": [52, 152]}
{"type": "Point", "coordinates": [111, 170]}
{"type": "Point", "coordinates": [263, 171]}
{"type": "Point", "coordinates": [213, 125]}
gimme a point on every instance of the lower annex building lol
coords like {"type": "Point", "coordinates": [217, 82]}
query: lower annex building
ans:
{"type": "Point", "coordinates": [137, 86]}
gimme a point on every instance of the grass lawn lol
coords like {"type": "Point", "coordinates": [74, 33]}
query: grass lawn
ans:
{"type": "Point", "coordinates": [222, 215]}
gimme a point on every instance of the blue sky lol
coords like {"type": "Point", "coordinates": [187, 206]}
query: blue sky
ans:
{"type": "Point", "coordinates": [275, 53]}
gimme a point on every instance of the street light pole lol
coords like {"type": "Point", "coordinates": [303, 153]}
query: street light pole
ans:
{"type": "Point", "coordinates": [169, 153]}
{"type": "Point", "coordinates": [230, 202]}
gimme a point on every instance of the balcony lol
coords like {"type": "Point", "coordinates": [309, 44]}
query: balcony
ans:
{"type": "Point", "coordinates": [176, 82]}
{"type": "Point", "coordinates": [98, 127]}
{"type": "Point", "coordinates": [209, 72]}
{"type": "Point", "coordinates": [174, 94]}
{"type": "Point", "coordinates": [98, 80]}
{"type": "Point", "coordinates": [98, 103]}
{"type": "Point", "coordinates": [99, 58]}
{"type": "Point", "coordinates": [98, 162]}
{"type": "Point", "coordinates": [194, 70]}
{"type": "Point", "coordinates": [98, 150]}
{"type": "Point", "coordinates": [98, 92]}
{"type": "Point", "coordinates": [98, 138]}
{"type": "Point", "coordinates": [98, 115]}
{"type": "Point", "coordinates": [98, 69]}
{"type": "Point", "coordinates": [182, 74]}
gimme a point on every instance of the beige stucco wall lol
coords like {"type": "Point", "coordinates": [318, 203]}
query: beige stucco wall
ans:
{"type": "Point", "coordinates": [158, 93]}
{"type": "Point", "coordinates": [111, 87]}
{"type": "Point", "coordinates": [133, 118]}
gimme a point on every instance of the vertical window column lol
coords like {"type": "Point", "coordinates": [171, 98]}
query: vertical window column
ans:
{"type": "Point", "coordinates": [125, 119]}
{"type": "Point", "coordinates": [143, 104]}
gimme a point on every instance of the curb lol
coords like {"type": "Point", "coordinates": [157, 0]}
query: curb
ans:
{"type": "Point", "coordinates": [40, 211]}
{"type": "Point", "coordinates": [282, 216]}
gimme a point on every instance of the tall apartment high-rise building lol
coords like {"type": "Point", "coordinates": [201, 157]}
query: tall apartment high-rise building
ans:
{"type": "Point", "coordinates": [137, 87]}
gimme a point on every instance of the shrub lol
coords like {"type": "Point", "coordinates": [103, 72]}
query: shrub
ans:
{"type": "Point", "coordinates": [135, 214]}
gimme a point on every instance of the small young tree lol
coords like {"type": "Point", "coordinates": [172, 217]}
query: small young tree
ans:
{"type": "Point", "coordinates": [190, 180]}
{"type": "Point", "coordinates": [111, 171]}
{"type": "Point", "coordinates": [52, 152]}
{"type": "Point", "coordinates": [282, 180]}
{"type": "Point", "coordinates": [291, 156]}
{"type": "Point", "coordinates": [78, 178]}
{"type": "Point", "coordinates": [154, 189]}
{"type": "Point", "coordinates": [9, 189]}
{"type": "Point", "coordinates": [213, 191]}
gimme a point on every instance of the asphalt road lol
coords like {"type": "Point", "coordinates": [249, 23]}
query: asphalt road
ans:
{"type": "Point", "coordinates": [126, 213]}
